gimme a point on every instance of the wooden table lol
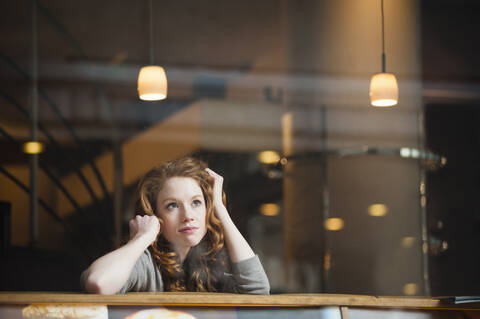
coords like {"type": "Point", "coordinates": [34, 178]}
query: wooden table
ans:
{"type": "Point", "coordinates": [219, 305]}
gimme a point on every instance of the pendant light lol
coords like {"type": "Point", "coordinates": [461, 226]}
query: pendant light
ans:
{"type": "Point", "coordinates": [152, 80]}
{"type": "Point", "coordinates": [383, 86]}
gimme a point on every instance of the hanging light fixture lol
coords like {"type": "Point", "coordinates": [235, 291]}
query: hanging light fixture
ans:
{"type": "Point", "coordinates": [383, 86]}
{"type": "Point", "coordinates": [152, 80]}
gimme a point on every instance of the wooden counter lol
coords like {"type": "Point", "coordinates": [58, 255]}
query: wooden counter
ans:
{"type": "Point", "coordinates": [230, 300]}
{"type": "Point", "coordinates": [346, 304]}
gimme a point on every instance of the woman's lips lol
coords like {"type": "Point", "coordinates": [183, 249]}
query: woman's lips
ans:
{"type": "Point", "coordinates": [188, 230]}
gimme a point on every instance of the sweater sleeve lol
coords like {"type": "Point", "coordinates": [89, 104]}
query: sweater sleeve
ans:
{"type": "Point", "coordinates": [145, 276]}
{"type": "Point", "coordinates": [249, 277]}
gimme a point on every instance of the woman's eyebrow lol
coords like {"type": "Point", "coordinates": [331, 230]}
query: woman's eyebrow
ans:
{"type": "Point", "coordinates": [169, 199]}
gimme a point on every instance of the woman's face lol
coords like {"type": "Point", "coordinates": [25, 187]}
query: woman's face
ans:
{"type": "Point", "coordinates": [181, 205]}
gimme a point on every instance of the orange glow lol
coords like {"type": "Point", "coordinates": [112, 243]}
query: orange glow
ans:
{"type": "Point", "coordinates": [270, 209]}
{"type": "Point", "coordinates": [410, 289]}
{"type": "Point", "coordinates": [268, 157]}
{"type": "Point", "coordinates": [408, 242]}
{"type": "Point", "coordinates": [152, 83]}
{"type": "Point", "coordinates": [160, 313]}
{"type": "Point", "coordinates": [377, 210]}
{"type": "Point", "coordinates": [33, 147]}
{"type": "Point", "coordinates": [334, 224]}
{"type": "Point", "coordinates": [383, 90]}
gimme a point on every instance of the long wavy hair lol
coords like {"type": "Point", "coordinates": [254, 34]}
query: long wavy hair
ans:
{"type": "Point", "coordinates": [205, 264]}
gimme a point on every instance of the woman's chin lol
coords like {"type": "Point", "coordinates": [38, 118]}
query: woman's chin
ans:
{"type": "Point", "coordinates": [194, 240]}
{"type": "Point", "coordinates": [194, 243]}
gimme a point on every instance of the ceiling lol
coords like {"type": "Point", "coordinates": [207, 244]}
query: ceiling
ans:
{"type": "Point", "coordinates": [213, 34]}
{"type": "Point", "coordinates": [94, 49]}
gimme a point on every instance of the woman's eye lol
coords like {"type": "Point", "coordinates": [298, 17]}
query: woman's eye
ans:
{"type": "Point", "coordinates": [197, 202]}
{"type": "Point", "coordinates": [172, 206]}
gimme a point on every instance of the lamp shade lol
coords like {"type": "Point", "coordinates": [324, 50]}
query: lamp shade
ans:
{"type": "Point", "coordinates": [152, 83]}
{"type": "Point", "coordinates": [383, 90]}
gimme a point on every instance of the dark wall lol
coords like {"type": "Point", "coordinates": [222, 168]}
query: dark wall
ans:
{"type": "Point", "coordinates": [453, 199]}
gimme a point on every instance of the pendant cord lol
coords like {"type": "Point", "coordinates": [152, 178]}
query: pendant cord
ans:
{"type": "Point", "coordinates": [383, 40]}
{"type": "Point", "coordinates": [152, 52]}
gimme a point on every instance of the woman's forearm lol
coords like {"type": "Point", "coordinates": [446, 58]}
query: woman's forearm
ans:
{"type": "Point", "coordinates": [109, 273]}
{"type": "Point", "coordinates": [238, 248]}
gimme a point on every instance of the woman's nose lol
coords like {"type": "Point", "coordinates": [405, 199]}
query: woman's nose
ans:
{"type": "Point", "coordinates": [187, 218]}
{"type": "Point", "coordinates": [187, 214]}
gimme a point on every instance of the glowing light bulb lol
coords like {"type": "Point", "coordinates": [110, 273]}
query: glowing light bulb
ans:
{"type": "Point", "coordinates": [383, 90]}
{"type": "Point", "coordinates": [152, 83]}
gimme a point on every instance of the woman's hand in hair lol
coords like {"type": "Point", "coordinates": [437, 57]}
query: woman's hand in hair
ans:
{"type": "Point", "coordinates": [146, 227]}
{"type": "Point", "coordinates": [217, 193]}
{"type": "Point", "coordinates": [238, 248]}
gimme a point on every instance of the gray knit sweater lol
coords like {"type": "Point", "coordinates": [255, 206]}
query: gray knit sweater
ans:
{"type": "Point", "coordinates": [248, 275]}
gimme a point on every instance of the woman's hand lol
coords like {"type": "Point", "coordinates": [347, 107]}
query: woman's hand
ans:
{"type": "Point", "coordinates": [144, 226]}
{"type": "Point", "coordinates": [109, 273]}
{"type": "Point", "coordinates": [238, 248]}
{"type": "Point", "coordinates": [217, 192]}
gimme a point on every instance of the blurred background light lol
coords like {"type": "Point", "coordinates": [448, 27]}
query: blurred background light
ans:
{"type": "Point", "coordinates": [377, 210]}
{"type": "Point", "coordinates": [268, 157]}
{"type": "Point", "coordinates": [33, 147]}
{"type": "Point", "coordinates": [410, 289]}
{"type": "Point", "coordinates": [334, 224]}
{"type": "Point", "coordinates": [270, 209]}
{"type": "Point", "coordinates": [408, 241]}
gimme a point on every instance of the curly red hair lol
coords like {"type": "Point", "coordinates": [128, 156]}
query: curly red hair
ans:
{"type": "Point", "coordinates": [205, 264]}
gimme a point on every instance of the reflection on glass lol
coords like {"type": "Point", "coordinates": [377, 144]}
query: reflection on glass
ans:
{"type": "Point", "coordinates": [383, 90]}
{"type": "Point", "coordinates": [65, 311]}
{"type": "Point", "coordinates": [269, 209]}
{"type": "Point", "coordinates": [33, 147]}
{"type": "Point", "coordinates": [405, 152]}
{"type": "Point", "coordinates": [334, 224]}
{"type": "Point", "coordinates": [160, 313]}
{"type": "Point", "coordinates": [408, 241]}
{"type": "Point", "coordinates": [268, 157]}
{"type": "Point", "coordinates": [377, 210]}
{"type": "Point", "coordinates": [423, 200]}
{"type": "Point", "coordinates": [410, 289]}
{"type": "Point", "coordinates": [152, 83]}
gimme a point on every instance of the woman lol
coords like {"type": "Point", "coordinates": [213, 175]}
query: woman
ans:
{"type": "Point", "coordinates": [182, 240]}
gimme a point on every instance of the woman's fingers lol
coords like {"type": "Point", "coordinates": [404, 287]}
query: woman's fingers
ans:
{"type": "Point", "coordinates": [218, 185]}
{"type": "Point", "coordinates": [212, 173]}
{"type": "Point", "coordinates": [218, 178]}
{"type": "Point", "coordinates": [217, 190]}
{"type": "Point", "coordinates": [144, 225]}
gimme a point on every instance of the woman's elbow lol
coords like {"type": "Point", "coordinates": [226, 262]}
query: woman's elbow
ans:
{"type": "Point", "coordinates": [93, 286]}
{"type": "Point", "coordinates": [264, 290]}
{"type": "Point", "coordinates": [261, 288]}
{"type": "Point", "coordinates": [96, 286]}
